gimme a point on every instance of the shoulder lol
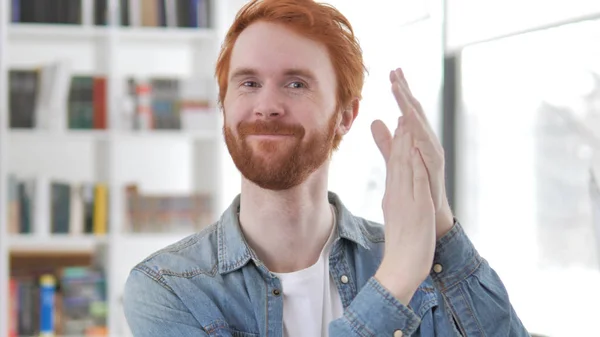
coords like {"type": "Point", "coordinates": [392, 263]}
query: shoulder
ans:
{"type": "Point", "coordinates": [174, 284]}
{"type": "Point", "coordinates": [372, 230]}
{"type": "Point", "coordinates": [192, 256]}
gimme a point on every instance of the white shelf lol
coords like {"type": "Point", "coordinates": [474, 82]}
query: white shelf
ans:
{"type": "Point", "coordinates": [103, 135]}
{"type": "Point", "coordinates": [165, 34]}
{"type": "Point", "coordinates": [54, 31]}
{"type": "Point", "coordinates": [26, 243]}
{"type": "Point", "coordinates": [127, 34]}
{"type": "Point", "coordinates": [46, 135]}
{"type": "Point", "coordinates": [163, 238]}
{"type": "Point", "coordinates": [169, 134]}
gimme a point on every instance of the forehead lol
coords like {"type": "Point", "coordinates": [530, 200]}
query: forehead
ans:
{"type": "Point", "coordinates": [271, 49]}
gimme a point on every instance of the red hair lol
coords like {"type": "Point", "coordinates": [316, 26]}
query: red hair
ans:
{"type": "Point", "coordinates": [319, 22]}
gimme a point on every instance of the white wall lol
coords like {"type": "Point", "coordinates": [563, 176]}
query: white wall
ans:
{"type": "Point", "coordinates": [358, 172]}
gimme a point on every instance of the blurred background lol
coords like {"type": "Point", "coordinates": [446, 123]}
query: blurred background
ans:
{"type": "Point", "coordinates": [111, 146]}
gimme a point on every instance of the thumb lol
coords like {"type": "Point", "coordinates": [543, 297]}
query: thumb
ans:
{"type": "Point", "coordinates": [382, 137]}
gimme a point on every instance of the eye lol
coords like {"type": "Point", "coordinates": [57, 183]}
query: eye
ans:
{"type": "Point", "coordinates": [296, 85]}
{"type": "Point", "coordinates": [250, 84]}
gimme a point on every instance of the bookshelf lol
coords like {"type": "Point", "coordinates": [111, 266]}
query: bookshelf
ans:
{"type": "Point", "coordinates": [4, 251]}
{"type": "Point", "coordinates": [55, 244]}
{"type": "Point", "coordinates": [66, 145]}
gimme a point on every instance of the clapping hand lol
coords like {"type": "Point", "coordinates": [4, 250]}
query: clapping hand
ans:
{"type": "Point", "coordinates": [415, 206]}
{"type": "Point", "coordinates": [414, 120]}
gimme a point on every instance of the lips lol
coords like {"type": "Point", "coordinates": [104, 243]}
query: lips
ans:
{"type": "Point", "coordinates": [262, 128]}
{"type": "Point", "coordinates": [272, 134]}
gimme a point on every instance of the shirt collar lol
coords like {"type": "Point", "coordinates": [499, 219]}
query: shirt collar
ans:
{"type": "Point", "coordinates": [234, 251]}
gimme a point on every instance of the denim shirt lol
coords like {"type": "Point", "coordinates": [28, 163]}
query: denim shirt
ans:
{"type": "Point", "coordinates": [213, 284]}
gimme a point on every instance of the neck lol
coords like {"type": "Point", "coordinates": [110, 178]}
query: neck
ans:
{"type": "Point", "coordinates": [279, 224]}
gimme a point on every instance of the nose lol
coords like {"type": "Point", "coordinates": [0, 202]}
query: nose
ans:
{"type": "Point", "coordinates": [269, 104]}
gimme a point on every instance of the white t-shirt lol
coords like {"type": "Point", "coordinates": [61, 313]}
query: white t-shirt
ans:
{"type": "Point", "coordinates": [310, 297]}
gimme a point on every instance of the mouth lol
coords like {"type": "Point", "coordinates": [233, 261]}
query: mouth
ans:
{"type": "Point", "coordinates": [270, 136]}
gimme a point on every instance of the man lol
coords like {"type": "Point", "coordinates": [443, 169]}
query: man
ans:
{"type": "Point", "coordinates": [287, 258]}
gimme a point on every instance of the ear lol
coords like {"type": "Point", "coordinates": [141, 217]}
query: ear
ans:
{"type": "Point", "coordinates": [347, 117]}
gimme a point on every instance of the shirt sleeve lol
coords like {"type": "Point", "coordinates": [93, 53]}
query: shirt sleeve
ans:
{"type": "Point", "coordinates": [375, 312]}
{"type": "Point", "coordinates": [152, 310]}
{"type": "Point", "coordinates": [473, 292]}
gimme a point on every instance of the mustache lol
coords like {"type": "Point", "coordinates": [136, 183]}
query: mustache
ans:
{"type": "Point", "coordinates": [274, 128]}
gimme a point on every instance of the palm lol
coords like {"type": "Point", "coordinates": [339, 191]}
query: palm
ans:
{"type": "Point", "coordinates": [413, 119]}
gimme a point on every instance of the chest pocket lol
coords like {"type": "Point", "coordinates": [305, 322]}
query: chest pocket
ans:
{"type": "Point", "coordinates": [231, 332]}
{"type": "Point", "coordinates": [221, 329]}
{"type": "Point", "coordinates": [235, 333]}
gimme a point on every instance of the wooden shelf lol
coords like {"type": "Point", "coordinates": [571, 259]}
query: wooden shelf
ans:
{"type": "Point", "coordinates": [53, 244]}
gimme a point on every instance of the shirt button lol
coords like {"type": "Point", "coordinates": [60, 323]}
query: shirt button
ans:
{"type": "Point", "coordinates": [344, 279]}
{"type": "Point", "coordinates": [398, 333]}
{"type": "Point", "coordinates": [437, 268]}
{"type": "Point", "coordinates": [276, 292]}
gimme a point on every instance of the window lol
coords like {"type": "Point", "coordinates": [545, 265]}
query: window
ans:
{"type": "Point", "coordinates": [529, 167]}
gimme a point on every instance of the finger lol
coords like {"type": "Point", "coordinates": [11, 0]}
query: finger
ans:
{"type": "Point", "coordinates": [417, 127]}
{"type": "Point", "coordinates": [418, 124]}
{"type": "Point", "coordinates": [433, 157]}
{"type": "Point", "coordinates": [417, 107]}
{"type": "Point", "coordinates": [427, 142]}
{"type": "Point", "coordinates": [399, 74]}
{"type": "Point", "coordinates": [383, 138]}
{"type": "Point", "coordinates": [408, 104]}
{"type": "Point", "coordinates": [400, 168]}
{"type": "Point", "coordinates": [421, 187]}
{"type": "Point", "coordinates": [434, 162]}
{"type": "Point", "coordinates": [415, 119]}
{"type": "Point", "coordinates": [401, 98]}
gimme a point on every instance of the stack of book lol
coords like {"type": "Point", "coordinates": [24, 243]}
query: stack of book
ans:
{"type": "Point", "coordinates": [54, 98]}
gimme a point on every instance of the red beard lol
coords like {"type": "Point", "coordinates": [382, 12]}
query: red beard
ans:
{"type": "Point", "coordinates": [279, 165]}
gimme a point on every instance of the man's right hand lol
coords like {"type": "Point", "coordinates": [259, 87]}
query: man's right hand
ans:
{"type": "Point", "coordinates": [409, 216]}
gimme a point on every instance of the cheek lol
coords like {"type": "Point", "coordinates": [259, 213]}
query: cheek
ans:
{"type": "Point", "coordinates": [236, 104]}
{"type": "Point", "coordinates": [230, 122]}
{"type": "Point", "coordinates": [231, 110]}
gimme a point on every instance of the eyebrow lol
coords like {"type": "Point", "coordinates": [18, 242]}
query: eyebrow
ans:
{"type": "Point", "coordinates": [244, 72]}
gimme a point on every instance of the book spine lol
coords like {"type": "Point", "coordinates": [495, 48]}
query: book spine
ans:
{"type": "Point", "coordinates": [47, 292]}
{"type": "Point", "coordinates": [13, 308]}
{"type": "Point", "coordinates": [100, 209]}
{"type": "Point", "coordinates": [99, 103]}
{"type": "Point", "coordinates": [16, 10]}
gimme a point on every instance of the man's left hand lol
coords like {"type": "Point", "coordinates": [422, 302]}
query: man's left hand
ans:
{"type": "Point", "coordinates": [414, 119]}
